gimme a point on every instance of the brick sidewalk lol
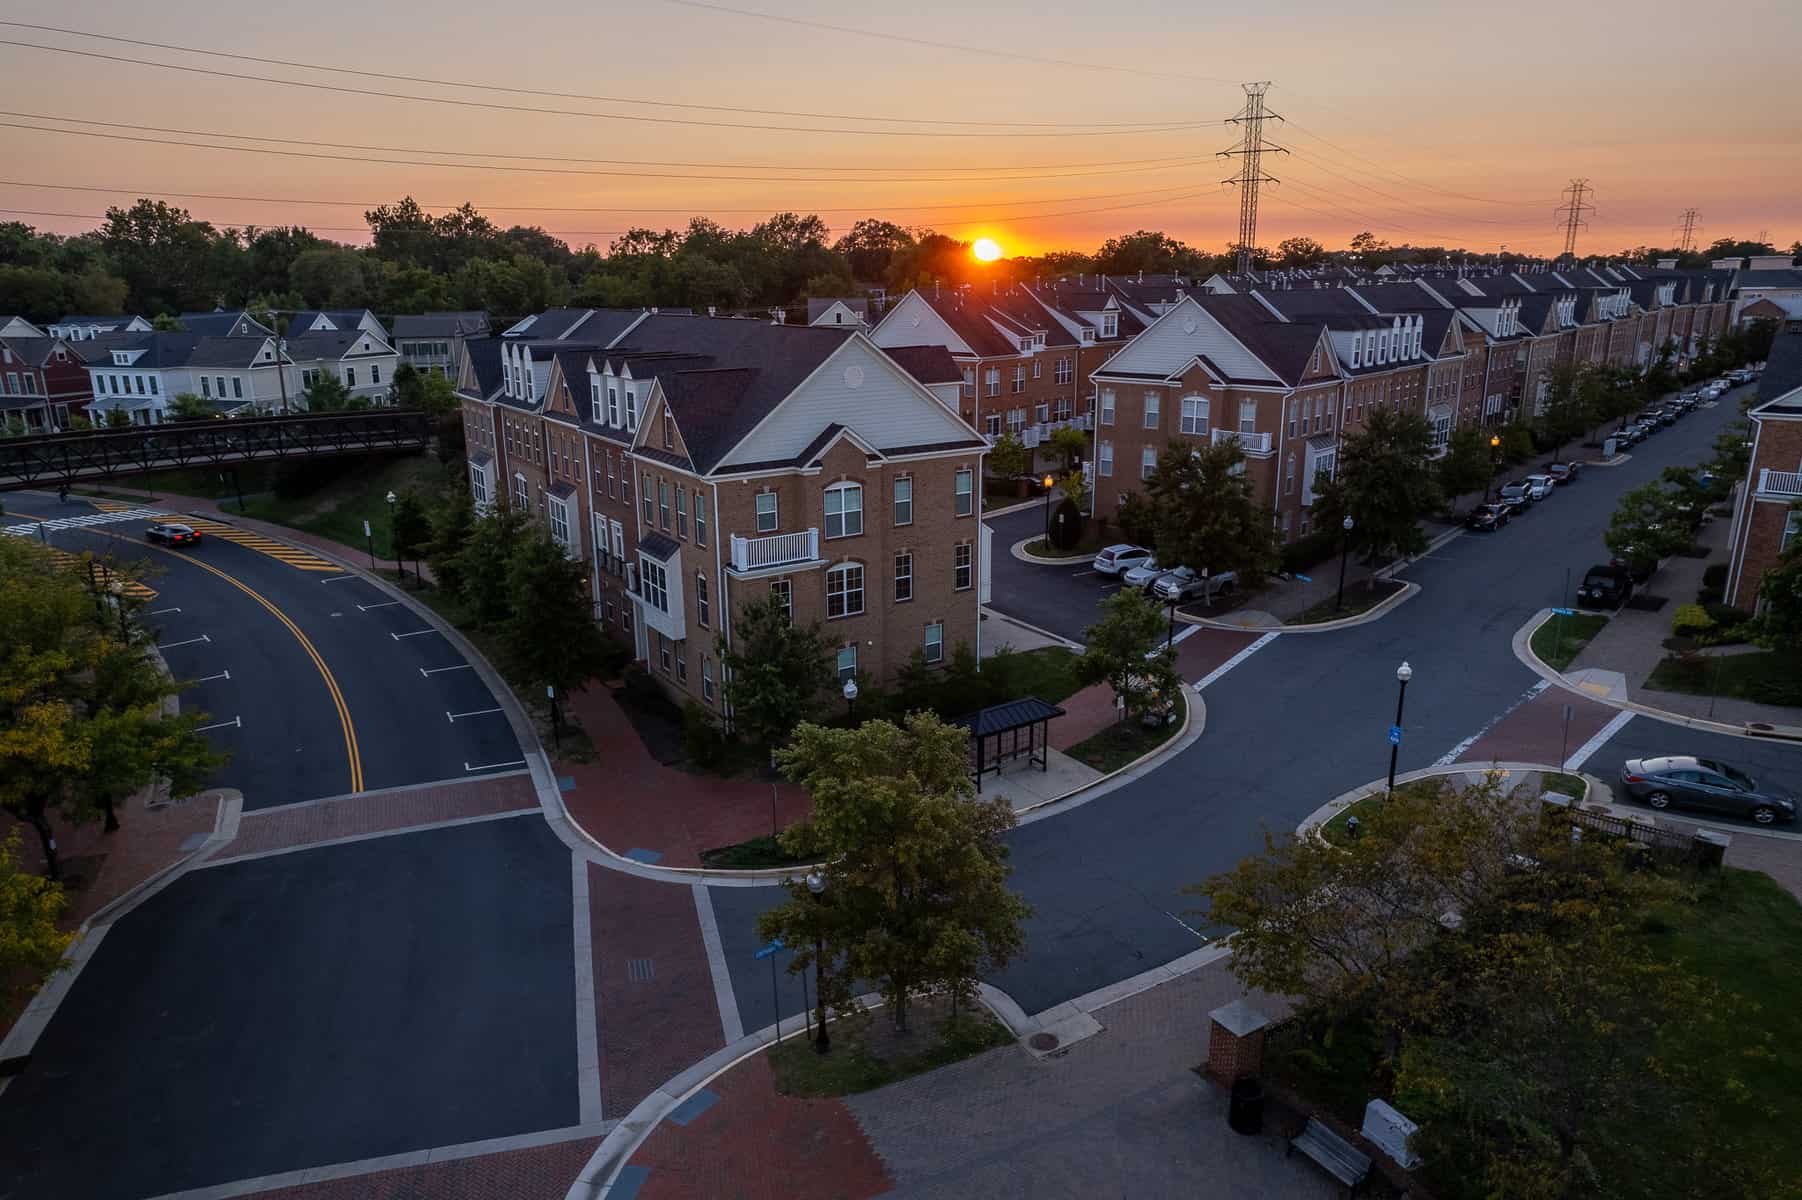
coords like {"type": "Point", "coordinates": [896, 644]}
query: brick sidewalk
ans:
{"type": "Point", "coordinates": [539, 1173]}
{"type": "Point", "coordinates": [636, 806]}
{"type": "Point", "coordinates": [294, 825]}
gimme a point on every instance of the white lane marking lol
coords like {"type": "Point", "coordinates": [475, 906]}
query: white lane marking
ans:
{"type": "Point", "coordinates": [190, 642]}
{"type": "Point", "coordinates": [158, 612]}
{"type": "Point", "coordinates": [1575, 762]}
{"type": "Point", "coordinates": [383, 604]}
{"type": "Point", "coordinates": [480, 712]}
{"type": "Point", "coordinates": [1188, 631]}
{"type": "Point", "coordinates": [107, 518]}
{"type": "Point", "coordinates": [210, 678]}
{"type": "Point", "coordinates": [337, 578]}
{"type": "Point", "coordinates": [398, 636]}
{"type": "Point", "coordinates": [731, 1024]}
{"type": "Point", "coordinates": [1456, 752]}
{"type": "Point", "coordinates": [234, 723]}
{"type": "Point", "coordinates": [1214, 675]}
{"type": "Point", "coordinates": [458, 667]}
{"type": "Point", "coordinates": [494, 766]}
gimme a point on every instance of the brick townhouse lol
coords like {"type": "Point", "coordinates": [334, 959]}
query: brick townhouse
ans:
{"type": "Point", "coordinates": [1768, 517]}
{"type": "Point", "coordinates": [43, 382]}
{"type": "Point", "coordinates": [695, 463]}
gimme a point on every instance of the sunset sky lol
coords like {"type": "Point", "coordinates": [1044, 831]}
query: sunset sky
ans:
{"type": "Point", "coordinates": [1421, 121]}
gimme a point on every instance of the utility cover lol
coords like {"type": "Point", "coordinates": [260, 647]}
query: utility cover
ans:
{"type": "Point", "coordinates": [1389, 1131]}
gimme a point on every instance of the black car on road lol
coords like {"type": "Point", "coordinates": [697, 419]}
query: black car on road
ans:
{"type": "Point", "coordinates": [1487, 517]}
{"type": "Point", "coordinates": [1605, 587]}
{"type": "Point", "coordinates": [1680, 781]}
{"type": "Point", "coordinates": [170, 534]}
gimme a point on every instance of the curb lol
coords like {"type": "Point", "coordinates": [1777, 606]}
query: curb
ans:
{"type": "Point", "coordinates": [1180, 740]}
{"type": "Point", "coordinates": [1018, 550]}
{"type": "Point", "coordinates": [1523, 650]}
{"type": "Point", "coordinates": [1311, 824]}
{"type": "Point", "coordinates": [1021, 506]}
{"type": "Point", "coordinates": [989, 610]}
{"type": "Point", "coordinates": [1408, 591]}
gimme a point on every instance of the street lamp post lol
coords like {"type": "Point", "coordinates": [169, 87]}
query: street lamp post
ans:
{"type": "Point", "coordinates": [1403, 673]}
{"type": "Point", "coordinates": [1047, 481]}
{"type": "Point", "coordinates": [851, 700]}
{"type": "Point", "coordinates": [1344, 546]}
{"type": "Point", "coordinates": [392, 546]}
{"type": "Point", "coordinates": [1495, 463]}
{"type": "Point", "coordinates": [822, 1042]}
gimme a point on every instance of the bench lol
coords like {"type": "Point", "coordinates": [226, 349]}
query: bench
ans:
{"type": "Point", "coordinates": [1336, 1156]}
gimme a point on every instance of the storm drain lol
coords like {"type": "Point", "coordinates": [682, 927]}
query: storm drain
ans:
{"type": "Point", "coordinates": [640, 970]}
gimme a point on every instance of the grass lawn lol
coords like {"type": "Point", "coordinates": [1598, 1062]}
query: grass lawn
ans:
{"type": "Point", "coordinates": [338, 509]}
{"type": "Point", "coordinates": [1048, 673]}
{"type": "Point", "coordinates": [867, 1053]}
{"type": "Point", "coordinates": [1123, 741]}
{"type": "Point", "coordinates": [1558, 640]}
{"type": "Point", "coordinates": [1772, 677]}
{"type": "Point", "coordinates": [1359, 598]}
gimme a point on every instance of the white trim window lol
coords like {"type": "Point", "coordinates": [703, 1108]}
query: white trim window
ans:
{"type": "Point", "coordinates": [1107, 406]}
{"type": "Point", "coordinates": [970, 383]}
{"type": "Point", "coordinates": [1016, 421]}
{"type": "Point", "coordinates": [964, 492]}
{"type": "Point", "coordinates": [647, 497]}
{"type": "Point", "coordinates": [619, 540]}
{"type": "Point", "coordinates": [991, 381]}
{"type": "Point", "coordinates": [631, 411]}
{"type": "Point", "coordinates": [1148, 462]}
{"type": "Point", "coordinates": [1063, 372]}
{"type": "Point", "coordinates": [766, 512]}
{"type": "Point", "coordinates": [1105, 463]}
{"type": "Point", "coordinates": [596, 410]}
{"type": "Point", "coordinates": [478, 485]}
{"type": "Point", "coordinates": [960, 567]}
{"type": "Point", "coordinates": [1110, 325]}
{"type": "Point", "coordinates": [844, 591]}
{"type": "Point", "coordinates": [991, 424]}
{"type": "Point", "coordinates": [706, 679]}
{"type": "Point", "coordinates": [1019, 378]}
{"type": "Point", "coordinates": [559, 516]}
{"type": "Point", "coordinates": [904, 500]}
{"type": "Point", "coordinates": [701, 604]}
{"type": "Point", "coordinates": [847, 662]}
{"type": "Point", "coordinates": [1154, 409]}
{"type": "Point", "coordinates": [522, 493]}
{"type": "Point", "coordinates": [1792, 529]}
{"type": "Point", "coordinates": [784, 591]}
{"type": "Point", "coordinates": [844, 510]}
{"type": "Point", "coordinates": [700, 517]}
{"type": "Point", "coordinates": [613, 406]}
{"type": "Point", "coordinates": [1195, 414]}
{"type": "Point", "coordinates": [653, 583]}
{"type": "Point", "coordinates": [934, 646]}
{"type": "Point", "coordinates": [904, 576]}
{"type": "Point", "coordinates": [681, 511]}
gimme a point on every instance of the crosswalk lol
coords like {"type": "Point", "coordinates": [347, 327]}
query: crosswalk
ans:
{"type": "Point", "coordinates": [111, 516]}
{"type": "Point", "coordinates": [108, 579]}
{"type": "Point", "coordinates": [294, 557]}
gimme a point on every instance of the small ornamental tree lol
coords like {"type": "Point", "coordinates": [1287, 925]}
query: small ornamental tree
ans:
{"type": "Point", "coordinates": [1122, 651]}
{"type": "Point", "coordinates": [1384, 483]}
{"type": "Point", "coordinates": [914, 864]}
{"type": "Point", "coordinates": [481, 565]}
{"type": "Point", "coordinates": [31, 943]}
{"type": "Point", "coordinates": [1647, 527]}
{"type": "Point", "coordinates": [1008, 458]}
{"type": "Point", "coordinates": [451, 521]}
{"type": "Point", "coordinates": [549, 634]}
{"type": "Point", "coordinates": [776, 672]}
{"type": "Point", "coordinates": [1070, 443]}
{"type": "Point", "coordinates": [1466, 465]}
{"type": "Point", "coordinates": [1204, 515]}
{"type": "Point", "coordinates": [188, 407]}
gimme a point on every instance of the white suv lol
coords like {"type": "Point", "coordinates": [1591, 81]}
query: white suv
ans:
{"type": "Point", "coordinates": [1121, 557]}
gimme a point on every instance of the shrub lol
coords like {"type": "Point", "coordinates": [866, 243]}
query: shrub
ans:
{"type": "Point", "coordinates": [1726, 614]}
{"type": "Point", "coordinates": [703, 741]}
{"type": "Point", "coordinates": [1066, 526]}
{"type": "Point", "coordinates": [1305, 552]}
{"type": "Point", "coordinates": [1714, 585]}
{"type": "Point", "coordinates": [1690, 620]}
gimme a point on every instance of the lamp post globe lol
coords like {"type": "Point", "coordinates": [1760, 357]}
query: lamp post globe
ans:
{"type": "Point", "coordinates": [1403, 674]}
{"type": "Point", "coordinates": [822, 1042]}
{"type": "Point", "coordinates": [1048, 481]}
{"type": "Point", "coordinates": [850, 692]}
{"type": "Point", "coordinates": [1344, 548]}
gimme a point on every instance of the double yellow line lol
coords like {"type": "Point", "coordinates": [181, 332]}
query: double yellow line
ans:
{"type": "Point", "coordinates": [352, 753]}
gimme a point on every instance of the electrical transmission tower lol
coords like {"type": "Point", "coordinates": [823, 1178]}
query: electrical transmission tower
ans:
{"type": "Point", "coordinates": [1573, 210]}
{"type": "Point", "coordinates": [1687, 230]}
{"type": "Point", "coordinates": [1250, 153]}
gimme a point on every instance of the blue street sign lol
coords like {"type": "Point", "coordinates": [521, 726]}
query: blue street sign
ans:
{"type": "Point", "coordinates": [1395, 735]}
{"type": "Point", "coordinates": [1564, 612]}
{"type": "Point", "coordinates": [1304, 578]}
{"type": "Point", "coordinates": [775, 945]}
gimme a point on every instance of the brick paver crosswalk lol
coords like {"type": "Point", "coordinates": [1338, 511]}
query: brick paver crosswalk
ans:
{"type": "Point", "coordinates": [295, 825]}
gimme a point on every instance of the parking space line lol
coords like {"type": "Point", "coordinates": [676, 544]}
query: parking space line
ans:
{"type": "Point", "coordinates": [398, 636]}
{"type": "Point", "coordinates": [234, 723]}
{"type": "Point", "coordinates": [480, 712]}
{"type": "Point", "coordinates": [439, 670]}
{"type": "Point", "coordinates": [210, 678]}
{"type": "Point", "coordinates": [383, 604]}
{"type": "Point", "coordinates": [158, 612]}
{"type": "Point", "coordinates": [494, 766]}
{"type": "Point", "coordinates": [190, 642]}
{"type": "Point", "coordinates": [337, 579]}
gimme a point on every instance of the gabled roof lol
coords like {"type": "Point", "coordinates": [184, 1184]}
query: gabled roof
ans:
{"type": "Point", "coordinates": [1780, 387]}
{"type": "Point", "coordinates": [818, 305]}
{"type": "Point", "coordinates": [485, 361]}
{"type": "Point", "coordinates": [341, 318]}
{"type": "Point", "coordinates": [598, 325]}
{"type": "Point", "coordinates": [440, 324]}
{"type": "Point", "coordinates": [221, 322]}
{"type": "Point", "coordinates": [928, 364]}
{"type": "Point", "coordinates": [161, 350]}
{"type": "Point", "coordinates": [332, 344]}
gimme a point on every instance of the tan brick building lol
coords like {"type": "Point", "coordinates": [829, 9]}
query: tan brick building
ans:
{"type": "Point", "coordinates": [1768, 517]}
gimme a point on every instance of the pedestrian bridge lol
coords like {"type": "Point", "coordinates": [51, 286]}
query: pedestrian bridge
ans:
{"type": "Point", "coordinates": [67, 458]}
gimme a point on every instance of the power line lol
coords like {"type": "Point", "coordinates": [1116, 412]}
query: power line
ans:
{"type": "Point", "coordinates": [599, 99]}
{"type": "Point", "coordinates": [594, 116]}
{"type": "Point", "coordinates": [403, 162]}
{"type": "Point", "coordinates": [986, 51]}
{"type": "Point", "coordinates": [1147, 163]}
{"type": "Point", "coordinates": [1573, 211]}
{"type": "Point", "coordinates": [1426, 212]}
{"type": "Point", "coordinates": [1251, 177]}
{"type": "Point", "coordinates": [1387, 171]}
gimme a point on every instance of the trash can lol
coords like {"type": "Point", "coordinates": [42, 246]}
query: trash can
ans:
{"type": "Point", "coordinates": [1245, 1111]}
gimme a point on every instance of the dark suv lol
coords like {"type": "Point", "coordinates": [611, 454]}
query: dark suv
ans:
{"type": "Point", "coordinates": [1605, 587]}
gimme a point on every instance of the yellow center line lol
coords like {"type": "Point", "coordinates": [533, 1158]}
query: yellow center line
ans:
{"type": "Point", "coordinates": [331, 683]}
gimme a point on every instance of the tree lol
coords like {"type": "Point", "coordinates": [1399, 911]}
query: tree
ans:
{"type": "Point", "coordinates": [1121, 650]}
{"type": "Point", "coordinates": [915, 866]}
{"type": "Point", "coordinates": [329, 277]}
{"type": "Point", "coordinates": [481, 565]}
{"type": "Point", "coordinates": [1008, 459]}
{"type": "Point", "coordinates": [452, 521]}
{"type": "Point", "coordinates": [1780, 601]}
{"type": "Point", "coordinates": [166, 323]}
{"type": "Point", "coordinates": [1466, 466]}
{"type": "Point", "coordinates": [31, 944]}
{"type": "Point", "coordinates": [412, 528]}
{"type": "Point", "coordinates": [1646, 527]}
{"type": "Point", "coordinates": [871, 245]}
{"type": "Point", "coordinates": [1071, 443]}
{"type": "Point", "coordinates": [1384, 484]}
{"type": "Point", "coordinates": [1564, 415]}
{"type": "Point", "coordinates": [1147, 250]}
{"type": "Point", "coordinates": [407, 385]}
{"type": "Point", "coordinates": [186, 406]}
{"type": "Point", "coordinates": [117, 418]}
{"type": "Point", "coordinates": [327, 393]}
{"type": "Point", "coordinates": [1203, 513]}
{"type": "Point", "coordinates": [1075, 486]}
{"type": "Point", "coordinates": [549, 635]}
{"type": "Point", "coordinates": [1299, 252]}
{"type": "Point", "coordinates": [776, 672]}
{"type": "Point", "coordinates": [81, 720]}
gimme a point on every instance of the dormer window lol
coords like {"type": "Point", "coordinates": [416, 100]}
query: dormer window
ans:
{"type": "Point", "coordinates": [612, 406]}
{"type": "Point", "coordinates": [1110, 324]}
{"type": "Point", "coordinates": [1088, 335]}
{"type": "Point", "coordinates": [631, 411]}
{"type": "Point", "coordinates": [595, 412]}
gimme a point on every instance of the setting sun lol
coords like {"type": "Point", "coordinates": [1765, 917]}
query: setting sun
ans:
{"type": "Point", "coordinates": [986, 249]}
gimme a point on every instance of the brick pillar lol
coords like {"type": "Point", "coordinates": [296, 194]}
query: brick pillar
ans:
{"type": "Point", "coordinates": [1235, 1042]}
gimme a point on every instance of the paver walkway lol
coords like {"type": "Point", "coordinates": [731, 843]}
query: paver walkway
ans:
{"type": "Point", "coordinates": [291, 826]}
{"type": "Point", "coordinates": [538, 1173]}
{"type": "Point", "coordinates": [636, 806]}
{"type": "Point", "coordinates": [1121, 1113]}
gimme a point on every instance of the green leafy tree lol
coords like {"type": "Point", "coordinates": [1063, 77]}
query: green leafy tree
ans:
{"type": "Point", "coordinates": [1732, 451]}
{"type": "Point", "coordinates": [776, 672]}
{"type": "Point", "coordinates": [188, 407]}
{"type": "Point", "coordinates": [329, 276]}
{"type": "Point", "coordinates": [166, 323]}
{"type": "Point", "coordinates": [1647, 527]}
{"type": "Point", "coordinates": [549, 635]}
{"type": "Point", "coordinates": [453, 520]}
{"type": "Point", "coordinates": [31, 943]}
{"type": "Point", "coordinates": [117, 418]}
{"type": "Point", "coordinates": [408, 383]}
{"type": "Point", "coordinates": [412, 527]}
{"type": "Point", "coordinates": [327, 393]}
{"type": "Point", "coordinates": [1075, 486]}
{"type": "Point", "coordinates": [1299, 252]}
{"type": "Point", "coordinates": [1564, 415]}
{"type": "Point", "coordinates": [481, 565]}
{"type": "Point", "coordinates": [1384, 484]}
{"type": "Point", "coordinates": [1467, 465]}
{"type": "Point", "coordinates": [915, 865]}
{"type": "Point", "coordinates": [1204, 515]}
{"type": "Point", "coordinates": [1122, 650]}
{"type": "Point", "coordinates": [1008, 459]}
{"type": "Point", "coordinates": [1780, 601]}
{"type": "Point", "coordinates": [1071, 444]}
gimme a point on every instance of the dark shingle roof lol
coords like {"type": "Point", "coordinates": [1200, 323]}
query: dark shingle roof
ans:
{"type": "Point", "coordinates": [1015, 714]}
{"type": "Point", "coordinates": [333, 345]}
{"type": "Point", "coordinates": [928, 364]}
{"type": "Point", "coordinates": [219, 323]}
{"type": "Point", "coordinates": [440, 324]}
{"type": "Point", "coordinates": [485, 359]}
{"type": "Point", "coordinates": [344, 318]}
{"type": "Point", "coordinates": [1782, 372]}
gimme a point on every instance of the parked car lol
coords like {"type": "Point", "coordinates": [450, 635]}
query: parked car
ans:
{"type": "Point", "coordinates": [1607, 586]}
{"type": "Point", "coordinates": [172, 535]}
{"type": "Point", "coordinates": [1641, 431]}
{"type": "Point", "coordinates": [1488, 517]}
{"type": "Point", "coordinates": [1540, 486]}
{"type": "Point", "coordinates": [1121, 557]}
{"type": "Point", "coordinates": [1565, 472]}
{"type": "Point", "coordinates": [1518, 495]}
{"type": "Point", "coordinates": [1628, 435]}
{"type": "Point", "coordinates": [1682, 781]}
{"type": "Point", "coordinates": [1143, 575]}
{"type": "Point", "coordinates": [1185, 586]}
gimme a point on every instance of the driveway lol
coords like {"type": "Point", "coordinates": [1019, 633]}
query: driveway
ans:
{"type": "Point", "coordinates": [1061, 599]}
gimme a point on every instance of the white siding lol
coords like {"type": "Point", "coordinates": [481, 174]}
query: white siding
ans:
{"type": "Point", "coordinates": [1169, 344]}
{"type": "Point", "coordinates": [913, 323]}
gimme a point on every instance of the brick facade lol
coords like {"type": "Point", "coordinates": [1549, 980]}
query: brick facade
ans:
{"type": "Point", "coordinates": [1766, 518]}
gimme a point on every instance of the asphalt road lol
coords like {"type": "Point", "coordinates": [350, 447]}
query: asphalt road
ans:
{"type": "Point", "coordinates": [347, 1002]}
{"type": "Point", "coordinates": [1304, 719]}
{"type": "Point", "coordinates": [1060, 599]}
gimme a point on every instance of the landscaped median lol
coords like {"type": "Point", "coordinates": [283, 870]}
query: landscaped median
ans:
{"type": "Point", "coordinates": [1562, 635]}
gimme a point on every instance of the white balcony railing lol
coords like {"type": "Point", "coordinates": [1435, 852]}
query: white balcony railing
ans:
{"type": "Point", "coordinates": [1779, 483]}
{"type": "Point", "coordinates": [775, 550]}
{"type": "Point", "coordinates": [1256, 445]}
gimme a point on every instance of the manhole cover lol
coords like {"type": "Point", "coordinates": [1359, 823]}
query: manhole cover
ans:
{"type": "Point", "coordinates": [1043, 1041]}
{"type": "Point", "coordinates": [640, 970]}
